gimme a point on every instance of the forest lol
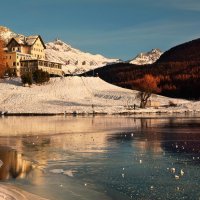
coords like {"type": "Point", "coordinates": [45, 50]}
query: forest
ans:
{"type": "Point", "coordinates": [177, 72]}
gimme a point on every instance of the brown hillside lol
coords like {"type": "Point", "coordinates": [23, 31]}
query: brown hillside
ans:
{"type": "Point", "coordinates": [178, 72]}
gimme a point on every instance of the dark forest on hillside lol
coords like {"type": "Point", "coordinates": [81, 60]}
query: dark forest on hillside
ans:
{"type": "Point", "coordinates": [177, 72]}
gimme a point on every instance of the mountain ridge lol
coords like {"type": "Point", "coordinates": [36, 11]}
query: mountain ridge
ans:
{"type": "Point", "coordinates": [145, 58]}
{"type": "Point", "coordinates": [187, 51]}
{"type": "Point", "coordinates": [75, 60]}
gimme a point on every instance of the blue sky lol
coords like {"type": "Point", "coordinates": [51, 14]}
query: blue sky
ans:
{"type": "Point", "coordinates": [113, 28]}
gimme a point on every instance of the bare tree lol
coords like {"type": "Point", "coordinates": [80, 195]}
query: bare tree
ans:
{"type": "Point", "coordinates": [147, 85]}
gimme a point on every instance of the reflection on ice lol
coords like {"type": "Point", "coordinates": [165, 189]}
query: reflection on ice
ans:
{"type": "Point", "coordinates": [1, 163]}
{"type": "Point", "coordinates": [103, 157]}
{"type": "Point", "coordinates": [13, 164]}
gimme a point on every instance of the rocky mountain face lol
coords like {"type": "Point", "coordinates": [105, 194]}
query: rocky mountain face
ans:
{"type": "Point", "coordinates": [6, 34]}
{"type": "Point", "coordinates": [74, 60]}
{"type": "Point", "coordinates": [147, 58]}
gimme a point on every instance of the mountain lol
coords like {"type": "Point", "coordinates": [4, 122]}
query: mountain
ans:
{"type": "Point", "coordinates": [147, 58]}
{"type": "Point", "coordinates": [74, 60]}
{"type": "Point", "coordinates": [177, 72]}
{"type": "Point", "coordinates": [186, 52]}
{"type": "Point", "coordinates": [6, 34]}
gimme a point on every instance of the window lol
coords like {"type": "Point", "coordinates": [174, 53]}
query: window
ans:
{"type": "Point", "coordinates": [40, 63]}
{"type": "Point", "coordinates": [10, 57]}
{"type": "Point", "coordinates": [14, 63]}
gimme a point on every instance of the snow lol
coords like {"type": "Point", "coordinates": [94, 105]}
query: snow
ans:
{"type": "Point", "coordinates": [30, 40]}
{"type": "Point", "coordinates": [78, 95]}
{"type": "Point", "coordinates": [146, 58]}
{"type": "Point", "coordinates": [6, 34]}
{"type": "Point", "coordinates": [74, 61]}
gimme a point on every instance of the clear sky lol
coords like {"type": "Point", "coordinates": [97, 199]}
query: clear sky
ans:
{"type": "Point", "coordinates": [113, 28]}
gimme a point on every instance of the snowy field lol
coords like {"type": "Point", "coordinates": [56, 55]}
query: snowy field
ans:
{"type": "Point", "coordinates": [80, 95]}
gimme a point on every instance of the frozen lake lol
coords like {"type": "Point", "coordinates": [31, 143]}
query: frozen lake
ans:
{"type": "Point", "coordinates": [101, 157]}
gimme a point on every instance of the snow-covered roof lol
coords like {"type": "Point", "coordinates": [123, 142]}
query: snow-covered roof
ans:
{"type": "Point", "coordinates": [30, 40]}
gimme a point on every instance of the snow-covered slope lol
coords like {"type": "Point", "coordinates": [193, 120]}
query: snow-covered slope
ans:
{"type": "Point", "coordinates": [6, 34]}
{"type": "Point", "coordinates": [80, 94]}
{"type": "Point", "coordinates": [147, 58]}
{"type": "Point", "coordinates": [74, 60]}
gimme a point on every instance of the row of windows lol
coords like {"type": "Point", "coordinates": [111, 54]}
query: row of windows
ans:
{"type": "Point", "coordinates": [41, 63]}
{"type": "Point", "coordinates": [8, 57]}
{"type": "Point", "coordinates": [24, 57]}
{"type": "Point", "coordinates": [39, 56]}
{"type": "Point", "coordinates": [14, 63]}
{"type": "Point", "coordinates": [15, 49]}
{"type": "Point", "coordinates": [35, 49]}
{"type": "Point", "coordinates": [52, 65]}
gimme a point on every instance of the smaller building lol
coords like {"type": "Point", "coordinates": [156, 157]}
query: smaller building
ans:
{"type": "Point", "coordinates": [47, 66]}
{"type": "Point", "coordinates": [151, 103]}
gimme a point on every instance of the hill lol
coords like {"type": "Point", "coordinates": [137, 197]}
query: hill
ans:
{"type": "Point", "coordinates": [178, 72]}
{"type": "Point", "coordinates": [187, 52]}
{"type": "Point", "coordinates": [80, 94]}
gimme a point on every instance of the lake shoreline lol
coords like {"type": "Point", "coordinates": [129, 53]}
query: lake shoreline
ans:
{"type": "Point", "coordinates": [123, 113]}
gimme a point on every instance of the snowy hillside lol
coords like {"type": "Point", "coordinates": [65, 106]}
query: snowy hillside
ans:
{"type": "Point", "coordinates": [147, 58]}
{"type": "Point", "coordinates": [6, 34]}
{"type": "Point", "coordinates": [80, 94]}
{"type": "Point", "coordinates": [74, 60]}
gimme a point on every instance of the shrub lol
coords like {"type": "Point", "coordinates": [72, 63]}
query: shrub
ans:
{"type": "Point", "coordinates": [40, 76]}
{"type": "Point", "coordinates": [172, 104]}
{"type": "Point", "coordinates": [10, 73]}
{"type": "Point", "coordinates": [27, 79]}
